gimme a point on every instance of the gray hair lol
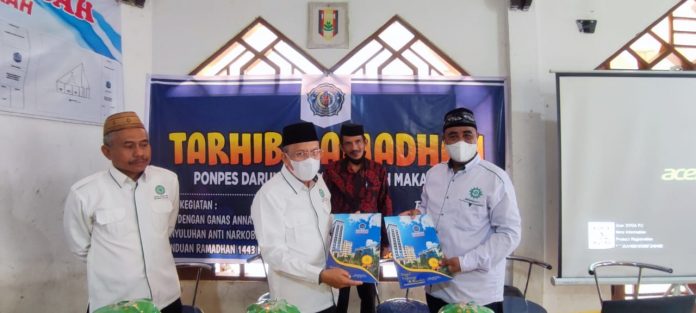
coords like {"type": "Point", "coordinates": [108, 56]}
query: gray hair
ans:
{"type": "Point", "coordinates": [108, 138]}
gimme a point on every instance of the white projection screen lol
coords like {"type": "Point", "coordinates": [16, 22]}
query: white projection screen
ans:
{"type": "Point", "coordinates": [628, 173]}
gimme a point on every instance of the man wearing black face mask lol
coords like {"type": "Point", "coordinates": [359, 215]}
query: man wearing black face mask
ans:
{"type": "Point", "coordinates": [358, 185]}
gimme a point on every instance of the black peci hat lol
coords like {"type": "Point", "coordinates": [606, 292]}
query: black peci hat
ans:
{"type": "Point", "coordinates": [459, 117]}
{"type": "Point", "coordinates": [299, 132]}
{"type": "Point", "coordinates": [349, 129]}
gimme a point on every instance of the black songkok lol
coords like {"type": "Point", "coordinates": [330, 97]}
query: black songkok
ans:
{"type": "Point", "coordinates": [299, 132]}
{"type": "Point", "coordinates": [459, 117]}
{"type": "Point", "coordinates": [349, 129]}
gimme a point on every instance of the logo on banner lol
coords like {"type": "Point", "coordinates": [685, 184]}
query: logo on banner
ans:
{"type": "Point", "coordinates": [328, 23]}
{"type": "Point", "coordinates": [326, 99]}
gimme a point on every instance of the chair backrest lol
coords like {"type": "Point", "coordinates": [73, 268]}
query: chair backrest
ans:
{"type": "Point", "coordinates": [677, 304]}
{"type": "Point", "coordinates": [510, 290]}
{"type": "Point", "coordinates": [199, 268]}
{"type": "Point", "coordinates": [594, 266]}
{"type": "Point", "coordinates": [402, 305]}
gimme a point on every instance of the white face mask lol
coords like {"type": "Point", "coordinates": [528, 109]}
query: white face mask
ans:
{"type": "Point", "coordinates": [305, 170]}
{"type": "Point", "coordinates": [461, 151]}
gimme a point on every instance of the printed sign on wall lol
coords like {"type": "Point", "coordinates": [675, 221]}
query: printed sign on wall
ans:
{"type": "Point", "coordinates": [61, 59]}
{"type": "Point", "coordinates": [328, 25]}
{"type": "Point", "coordinates": [222, 136]}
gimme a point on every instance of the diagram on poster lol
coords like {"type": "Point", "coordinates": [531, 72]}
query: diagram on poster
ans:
{"type": "Point", "coordinates": [61, 62]}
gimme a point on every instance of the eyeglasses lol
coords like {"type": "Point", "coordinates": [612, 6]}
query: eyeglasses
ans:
{"type": "Point", "coordinates": [302, 155]}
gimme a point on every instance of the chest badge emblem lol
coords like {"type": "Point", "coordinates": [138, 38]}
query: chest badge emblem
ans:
{"type": "Point", "coordinates": [475, 192]}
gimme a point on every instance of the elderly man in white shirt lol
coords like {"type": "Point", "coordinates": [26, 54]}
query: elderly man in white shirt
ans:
{"type": "Point", "coordinates": [473, 205]}
{"type": "Point", "coordinates": [291, 214]}
{"type": "Point", "coordinates": [118, 221]}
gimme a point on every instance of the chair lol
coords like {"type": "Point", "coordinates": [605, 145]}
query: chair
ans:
{"type": "Point", "coordinates": [402, 305]}
{"type": "Point", "coordinates": [200, 267]}
{"type": "Point", "coordinates": [514, 300]}
{"type": "Point", "coordinates": [675, 304]}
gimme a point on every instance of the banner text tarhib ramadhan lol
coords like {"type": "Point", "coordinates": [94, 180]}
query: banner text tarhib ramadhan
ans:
{"type": "Point", "coordinates": [216, 148]}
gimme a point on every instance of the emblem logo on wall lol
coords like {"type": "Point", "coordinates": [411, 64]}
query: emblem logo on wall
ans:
{"type": "Point", "coordinates": [326, 99]}
{"type": "Point", "coordinates": [328, 23]}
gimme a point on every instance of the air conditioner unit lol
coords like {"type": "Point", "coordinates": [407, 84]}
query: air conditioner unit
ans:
{"type": "Point", "coordinates": [520, 4]}
{"type": "Point", "coordinates": [137, 3]}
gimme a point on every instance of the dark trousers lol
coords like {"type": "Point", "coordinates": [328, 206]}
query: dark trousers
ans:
{"type": "Point", "coordinates": [434, 304]}
{"type": "Point", "coordinates": [174, 307]}
{"type": "Point", "coordinates": [332, 309]}
{"type": "Point", "coordinates": [367, 294]}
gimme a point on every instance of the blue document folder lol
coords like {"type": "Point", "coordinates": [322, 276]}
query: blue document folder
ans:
{"type": "Point", "coordinates": [416, 251]}
{"type": "Point", "coordinates": [355, 245]}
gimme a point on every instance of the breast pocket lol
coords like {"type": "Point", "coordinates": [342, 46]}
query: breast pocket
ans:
{"type": "Point", "coordinates": [304, 239]}
{"type": "Point", "coordinates": [111, 220]}
{"type": "Point", "coordinates": [472, 215]}
{"type": "Point", "coordinates": [161, 211]}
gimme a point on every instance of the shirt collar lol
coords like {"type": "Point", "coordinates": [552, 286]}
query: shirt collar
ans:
{"type": "Point", "coordinates": [475, 160]}
{"type": "Point", "coordinates": [122, 179]}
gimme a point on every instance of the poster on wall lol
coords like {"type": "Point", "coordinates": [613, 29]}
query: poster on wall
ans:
{"type": "Point", "coordinates": [61, 60]}
{"type": "Point", "coordinates": [222, 136]}
{"type": "Point", "coordinates": [328, 25]}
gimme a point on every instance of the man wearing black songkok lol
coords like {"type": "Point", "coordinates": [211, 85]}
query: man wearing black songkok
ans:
{"type": "Point", "coordinates": [358, 185]}
{"type": "Point", "coordinates": [291, 214]}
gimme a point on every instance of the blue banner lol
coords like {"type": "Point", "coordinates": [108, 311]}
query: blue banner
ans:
{"type": "Point", "coordinates": [222, 137]}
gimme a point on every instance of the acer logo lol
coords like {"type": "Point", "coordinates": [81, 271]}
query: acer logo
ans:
{"type": "Point", "coordinates": [679, 174]}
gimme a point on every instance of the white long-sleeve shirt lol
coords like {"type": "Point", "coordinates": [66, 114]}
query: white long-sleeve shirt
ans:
{"type": "Point", "coordinates": [121, 229]}
{"type": "Point", "coordinates": [292, 228]}
{"type": "Point", "coordinates": [477, 219]}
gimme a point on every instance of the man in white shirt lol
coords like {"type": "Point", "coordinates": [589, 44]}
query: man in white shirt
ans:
{"type": "Point", "coordinates": [473, 205]}
{"type": "Point", "coordinates": [291, 214]}
{"type": "Point", "coordinates": [118, 221]}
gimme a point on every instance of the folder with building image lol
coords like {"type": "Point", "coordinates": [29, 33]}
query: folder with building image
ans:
{"type": "Point", "coordinates": [416, 251]}
{"type": "Point", "coordinates": [355, 245]}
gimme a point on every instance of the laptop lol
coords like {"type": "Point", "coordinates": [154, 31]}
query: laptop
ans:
{"type": "Point", "coordinates": [678, 304]}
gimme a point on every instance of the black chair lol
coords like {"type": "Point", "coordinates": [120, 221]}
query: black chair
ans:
{"type": "Point", "coordinates": [200, 267]}
{"type": "Point", "coordinates": [400, 305]}
{"type": "Point", "coordinates": [514, 300]}
{"type": "Point", "coordinates": [675, 304]}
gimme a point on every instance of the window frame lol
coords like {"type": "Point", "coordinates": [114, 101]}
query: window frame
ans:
{"type": "Point", "coordinates": [667, 48]}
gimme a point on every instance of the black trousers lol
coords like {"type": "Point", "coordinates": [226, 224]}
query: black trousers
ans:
{"type": "Point", "coordinates": [174, 307]}
{"type": "Point", "coordinates": [434, 304]}
{"type": "Point", "coordinates": [332, 309]}
{"type": "Point", "coordinates": [367, 294]}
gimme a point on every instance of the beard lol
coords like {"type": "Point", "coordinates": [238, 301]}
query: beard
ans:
{"type": "Point", "coordinates": [354, 160]}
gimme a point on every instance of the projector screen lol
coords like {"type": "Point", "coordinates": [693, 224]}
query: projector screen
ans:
{"type": "Point", "coordinates": [628, 172]}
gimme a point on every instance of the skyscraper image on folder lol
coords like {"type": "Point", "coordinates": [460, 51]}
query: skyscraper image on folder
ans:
{"type": "Point", "coordinates": [416, 251]}
{"type": "Point", "coordinates": [355, 245]}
